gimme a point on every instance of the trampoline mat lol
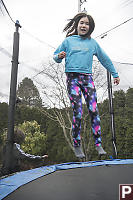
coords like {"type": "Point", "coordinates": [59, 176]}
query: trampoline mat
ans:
{"type": "Point", "coordinates": [90, 183]}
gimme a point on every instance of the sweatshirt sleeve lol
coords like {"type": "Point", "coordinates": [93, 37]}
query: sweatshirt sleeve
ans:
{"type": "Point", "coordinates": [105, 61]}
{"type": "Point", "coordinates": [19, 153]}
{"type": "Point", "coordinates": [61, 48]}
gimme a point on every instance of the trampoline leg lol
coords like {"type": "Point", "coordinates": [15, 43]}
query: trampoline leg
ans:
{"type": "Point", "coordinates": [82, 160]}
{"type": "Point", "coordinates": [99, 157]}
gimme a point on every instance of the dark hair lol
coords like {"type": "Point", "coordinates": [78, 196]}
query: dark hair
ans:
{"type": "Point", "coordinates": [71, 27]}
{"type": "Point", "coordinates": [19, 136]}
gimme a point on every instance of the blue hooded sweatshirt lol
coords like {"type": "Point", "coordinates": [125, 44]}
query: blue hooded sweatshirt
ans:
{"type": "Point", "coordinates": [79, 55]}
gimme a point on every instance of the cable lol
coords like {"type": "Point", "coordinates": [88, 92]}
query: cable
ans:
{"type": "Point", "coordinates": [3, 50]}
{"type": "Point", "coordinates": [7, 11]}
{"type": "Point", "coordinates": [39, 72]}
{"type": "Point", "coordinates": [105, 33]}
{"type": "Point", "coordinates": [36, 38]}
{"type": "Point", "coordinates": [126, 3]}
{"type": "Point", "coordinates": [117, 62]}
{"type": "Point", "coordinates": [124, 63]}
{"type": "Point", "coordinates": [3, 94]}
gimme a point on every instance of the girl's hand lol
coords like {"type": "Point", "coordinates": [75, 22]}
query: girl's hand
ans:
{"type": "Point", "coordinates": [116, 80]}
{"type": "Point", "coordinates": [45, 156]}
{"type": "Point", "coordinates": [62, 55]}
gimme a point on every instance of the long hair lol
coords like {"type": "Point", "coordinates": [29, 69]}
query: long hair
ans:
{"type": "Point", "coordinates": [71, 27]}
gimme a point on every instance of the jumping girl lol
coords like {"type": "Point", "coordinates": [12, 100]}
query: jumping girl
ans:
{"type": "Point", "coordinates": [78, 49]}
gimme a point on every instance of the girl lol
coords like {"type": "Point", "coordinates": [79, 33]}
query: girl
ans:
{"type": "Point", "coordinates": [19, 156]}
{"type": "Point", "coordinates": [78, 50]}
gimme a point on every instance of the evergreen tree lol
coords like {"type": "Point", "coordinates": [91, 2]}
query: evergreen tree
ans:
{"type": "Point", "coordinates": [3, 116]}
{"type": "Point", "coordinates": [26, 113]}
{"type": "Point", "coordinates": [129, 123]}
{"type": "Point", "coordinates": [120, 121]}
{"type": "Point", "coordinates": [54, 143]}
{"type": "Point", "coordinates": [57, 148]}
{"type": "Point", "coordinates": [29, 93]}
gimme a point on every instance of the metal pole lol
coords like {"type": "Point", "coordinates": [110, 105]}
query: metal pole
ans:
{"type": "Point", "coordinates": [79, 6]}
{"type": "Point", "coordinates": [12, 100]}
{"type": "Point", "coordinates": [111, 110]}
{"type": "Point", "coordinates": [80, 2]}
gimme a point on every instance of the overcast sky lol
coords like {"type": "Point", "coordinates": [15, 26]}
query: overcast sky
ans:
{"type": "Point", "coordinates": [45, 20]}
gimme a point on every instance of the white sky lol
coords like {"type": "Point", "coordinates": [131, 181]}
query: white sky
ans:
{"type": "Point", "coordinates": [46, 20]}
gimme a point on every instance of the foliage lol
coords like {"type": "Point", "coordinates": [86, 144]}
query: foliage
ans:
{"type": "Point", "coordinates": [28, 93]}
{"type": "Point", "coordinates": [57, 147]}
{"type": "Point", "coordinates": [3, 136]}
{"type": "Point", "coordinates": [35, 122]}
{"type": "Point", "coordinates": [26, 113]}
{"type": "Point", "coordinates": [3, 115]}
{"type": "Point", "coordinates": [35, 141]}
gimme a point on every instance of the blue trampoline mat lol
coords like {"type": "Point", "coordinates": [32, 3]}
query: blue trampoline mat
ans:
{"type": "Point", "coordinates": [11, 183]}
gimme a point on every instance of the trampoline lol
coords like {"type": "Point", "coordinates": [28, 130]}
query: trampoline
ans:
{"type": "Point", "coordinates": [93, 180]}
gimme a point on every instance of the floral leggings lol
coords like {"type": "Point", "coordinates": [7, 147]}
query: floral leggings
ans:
{"type": "Point", "coordinates": [76, 85]}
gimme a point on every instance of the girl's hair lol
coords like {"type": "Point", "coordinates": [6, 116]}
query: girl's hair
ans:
{"type": "Point", "coordinates": [71, 27]}
{"type": "Point", "coordinates": [19, 136]}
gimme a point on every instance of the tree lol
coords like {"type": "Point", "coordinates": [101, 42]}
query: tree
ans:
{"type": "Point", "coordinates": [3, 115]}
{"type": "Point", "coordinates": [29, 93]}
{"type": "Point", "coordinates": [129, 122]}
{"type": "Point", "coordinates": [57, 148]}
{"type": "Point", "coordinates": [3, 126]}
{"type": "Point", "coordinates": [119, 99]}
{"type": "Point", "coordinates": [35, 141]}
{"type": "Point", "coordinates": [123, 111]}
{"type": "Point", "coordinates": [26, 113]}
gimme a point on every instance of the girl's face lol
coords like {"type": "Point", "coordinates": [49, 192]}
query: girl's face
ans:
{"type": "Point", "coordinates": [83, 26]}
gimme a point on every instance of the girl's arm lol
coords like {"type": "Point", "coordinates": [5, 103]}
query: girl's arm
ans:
{"type": "Point", "coordinates": [19, 153]}
{"type": "Point", "coordinates": [60, 53]}
{"type": "Point", "coordinates": [106, 62]}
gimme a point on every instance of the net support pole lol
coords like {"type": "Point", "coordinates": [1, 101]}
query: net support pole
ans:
{"type": "Point", "coordinates": [12, 101]}
{"type": "Point", "coordinates": [111, 111]}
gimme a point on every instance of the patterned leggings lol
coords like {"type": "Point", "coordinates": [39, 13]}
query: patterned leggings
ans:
{"type": "Point", "coordinates": [83, 83]}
